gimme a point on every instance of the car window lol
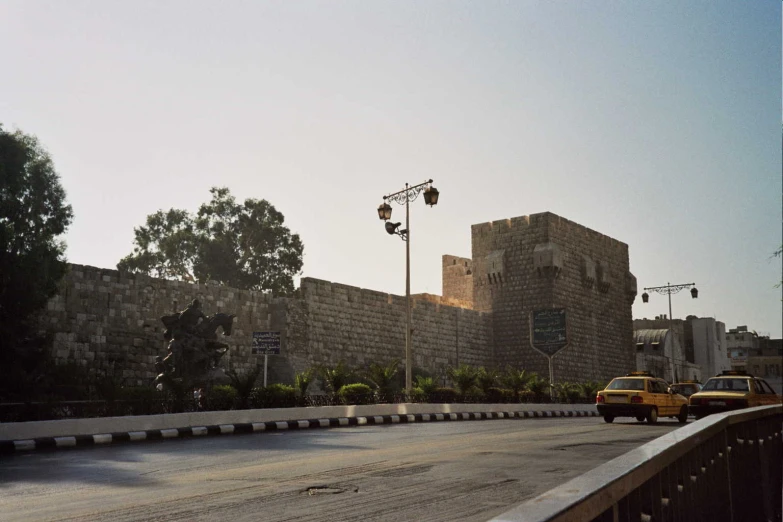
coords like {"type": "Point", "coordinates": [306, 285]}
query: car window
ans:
{"type": "Point", "coordinates": [759, 388]}
{"type": "Point", "coordinates": [767, 387]}
{"type": "Point", "coordinates": [737, 385]}
{"type": "Point", "coordinates": [626, 384]}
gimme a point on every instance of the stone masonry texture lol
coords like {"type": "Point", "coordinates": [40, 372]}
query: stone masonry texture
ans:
{"type": "Point", "coordinates": [109, 321]}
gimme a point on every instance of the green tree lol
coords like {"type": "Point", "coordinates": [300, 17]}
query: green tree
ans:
{"type": "Point", "coordinates": [242, 245]}
{"type": "Point", "coordinates": [33, 214]}
{"type": "Point", "coordinates": [383, 377]}
{"type": "Point", "coordinates": [464, 377]}
{"type": "Point", "coordinates": [515, 380]}
{"type": "Point", "coordinates": [590, 389]}
{"type": "Point", "coordinates": [538, 386]}
{"type": "Point", "coordinates": [486, 379]}
{"type": "Point", "coordinates": [303, 379]}
{"type": "Point", "coordinates": [244, 383]}
{"type": "Point", "coordinates": [335, 377]}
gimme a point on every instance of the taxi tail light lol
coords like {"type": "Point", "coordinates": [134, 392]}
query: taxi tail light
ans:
{"type": "Point", "coordinates": [599, 398]}
{"type": "Point", "coordinates": [637, 400]}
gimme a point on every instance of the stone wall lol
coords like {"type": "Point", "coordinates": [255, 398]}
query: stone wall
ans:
{"type": "Point", "coordinates": [458, 279]}
{"type": "Point", "coordinates": [331, 322]}
{"type": "Point", "coordinates": [107, 320]}
{"type": "Point", "coordinates": [544, 261]}
{"type": "Point", "coordinates": [111, 320]}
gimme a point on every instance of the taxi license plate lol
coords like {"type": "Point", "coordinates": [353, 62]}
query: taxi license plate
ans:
{"type": "Point", "coordinates": [617, 398]}
{"type": "Point", "coordinates": [717, 403]}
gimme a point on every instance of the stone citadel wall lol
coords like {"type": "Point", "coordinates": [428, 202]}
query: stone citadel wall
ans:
{"type": "Point", "coordinates": [330, 322]}
{"type": "Point", "coordinates": [110, 320]}
{"type": "Point", "coordinates": [545, 261]}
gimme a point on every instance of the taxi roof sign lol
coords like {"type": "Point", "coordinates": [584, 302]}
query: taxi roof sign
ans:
{"type": "Point", "coordinates": [640, 374]}
{"type": "Point", "coordinates": [734, 372]}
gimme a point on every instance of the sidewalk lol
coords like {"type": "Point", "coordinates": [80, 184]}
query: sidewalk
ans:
{"type": "Point", "coordinates": [26, 436]}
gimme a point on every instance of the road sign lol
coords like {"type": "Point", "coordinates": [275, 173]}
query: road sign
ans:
{"type": "Point", "coordinates": [265, 343]}
{"type": "Point", "coordinates": [548, 331]}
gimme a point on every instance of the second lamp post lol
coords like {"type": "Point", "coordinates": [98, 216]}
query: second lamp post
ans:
{"type": "Point", "coordinates": [405, 196]}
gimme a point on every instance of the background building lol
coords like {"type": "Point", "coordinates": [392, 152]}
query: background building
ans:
{"type": "Point", "coordinates": [709, 345]}
{"type": "Point", "coordinates": [659, 351]}
{"type": "Point", "coordinates": [699, 342]}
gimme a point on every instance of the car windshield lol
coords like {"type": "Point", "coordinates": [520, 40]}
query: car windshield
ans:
{"type": "Point", "coordinates": [626, 384]}
{"type": "Point", "coordinates": [737, 385]}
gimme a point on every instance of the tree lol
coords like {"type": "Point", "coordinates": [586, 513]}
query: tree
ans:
{"type": "Point", "coordinates": [486, 379]}
{"type": "Point", "coordinates": [464, 378]}
{"type": "Point", "coordinates": [241, 245]}
{"type": "Point", "coordinates": [516, 379]}
{"type": "Point", "coordinates": [33, 214]}
{"type": "Point", "coordinates": [383, 377]}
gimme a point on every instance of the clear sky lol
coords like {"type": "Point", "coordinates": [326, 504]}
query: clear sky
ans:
{"type": "Point", "coordinates": [657, 123]}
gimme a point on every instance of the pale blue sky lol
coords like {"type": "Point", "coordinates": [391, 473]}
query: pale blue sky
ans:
{"type": "Point", "coordinates": [657, 123]}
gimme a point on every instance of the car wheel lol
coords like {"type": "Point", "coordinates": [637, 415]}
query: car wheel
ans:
{"type": "Point", "coordinates": [683, 416]}
{"type": "Point", "coordinates": [608, 418]}
{"type": "Point", "coordinates": [640, 418]}
{"type": "Point", "coordinates": [652, 416]}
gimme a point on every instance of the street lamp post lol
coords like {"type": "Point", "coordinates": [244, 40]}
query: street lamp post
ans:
{"type": "Point", "coordinates": [670, 289]}
{"type": "Point", "coordinates": [405, 196]}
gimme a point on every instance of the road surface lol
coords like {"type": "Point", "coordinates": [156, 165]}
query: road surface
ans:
{"type": "Point", "coordinates": [444, 471]}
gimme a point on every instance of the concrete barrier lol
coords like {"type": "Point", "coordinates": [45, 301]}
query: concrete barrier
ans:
{"type": "Point", "coordinates": [76, 427]}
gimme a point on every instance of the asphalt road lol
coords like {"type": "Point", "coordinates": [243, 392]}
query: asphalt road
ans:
{"type": "Point", "coordinates": [469, 470]}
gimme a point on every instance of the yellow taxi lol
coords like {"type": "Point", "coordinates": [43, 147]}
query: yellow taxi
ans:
{"type": "Point", "coordinates": [686, 388]}
{"type": "Point", "coordinates": [732, 390]}
{"type": "Point", "coordinates": [641, 395]}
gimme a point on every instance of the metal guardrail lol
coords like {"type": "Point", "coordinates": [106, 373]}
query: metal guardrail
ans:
{"type": "Point", "coordinates": [725, 467]}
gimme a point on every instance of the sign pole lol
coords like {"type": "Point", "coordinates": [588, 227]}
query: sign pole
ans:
{"type": "Point", "coordinates": [551, 378]}
{"type": "Point", "coordinates": [266, 359]}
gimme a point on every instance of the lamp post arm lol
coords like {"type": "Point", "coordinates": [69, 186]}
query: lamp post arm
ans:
{"type": "Point", "coordinates": [670, 289]}
{"type": "Point", "coordinates": [408, 193]}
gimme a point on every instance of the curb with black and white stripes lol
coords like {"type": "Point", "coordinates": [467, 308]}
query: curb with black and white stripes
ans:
{"type": "Point", "coordinates": [13, 446]}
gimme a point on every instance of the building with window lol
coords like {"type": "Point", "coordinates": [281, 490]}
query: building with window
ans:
{"type": "Point", "coordinates": [700, 341]}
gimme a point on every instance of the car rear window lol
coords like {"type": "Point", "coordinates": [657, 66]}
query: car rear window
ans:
{"type": "Point", "coordinates": [737, 385]}
{"type": "Point", "coordinates": [626, 384]}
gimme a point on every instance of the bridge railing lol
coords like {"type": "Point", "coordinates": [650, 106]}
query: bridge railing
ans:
{"type": "Point", "coordinates": [723, 467]}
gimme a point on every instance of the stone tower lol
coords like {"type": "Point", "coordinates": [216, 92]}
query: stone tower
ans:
{"type": "Point", "coordinates": [544, 261]}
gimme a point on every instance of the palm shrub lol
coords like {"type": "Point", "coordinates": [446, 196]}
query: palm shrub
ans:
{"type": "Point", "coordinates": [444, 395]}
{"type": "Point", "coordinates": [590, 389]}
{"type": "Point", "coordinates": [538, 386]}
{"type": "Point", "coordinates": [417, 395]}
{"type": "Point", "coordinates": [335, 377]}
{"type": "Point", "coordinates": [500, 395]}
{"type": "Point", "coordinates": [426, 384]}
{"type": "Point", "coordinates": [356, 393]}
{"type": "Point", "coordinates": [464, 378]}
{"type": "Point", "coordinates": [515, 380]}
{"type": "Point", "coordinates": [567, 392]}
{"type": "Point", "coordinates": [383, 378]}
{"type": "Point", "coordinates": [302, 381]}
{"type": "Point", "coordinates": [486, 379]}
{"type": "Point", "coordinates": [244, 384]}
